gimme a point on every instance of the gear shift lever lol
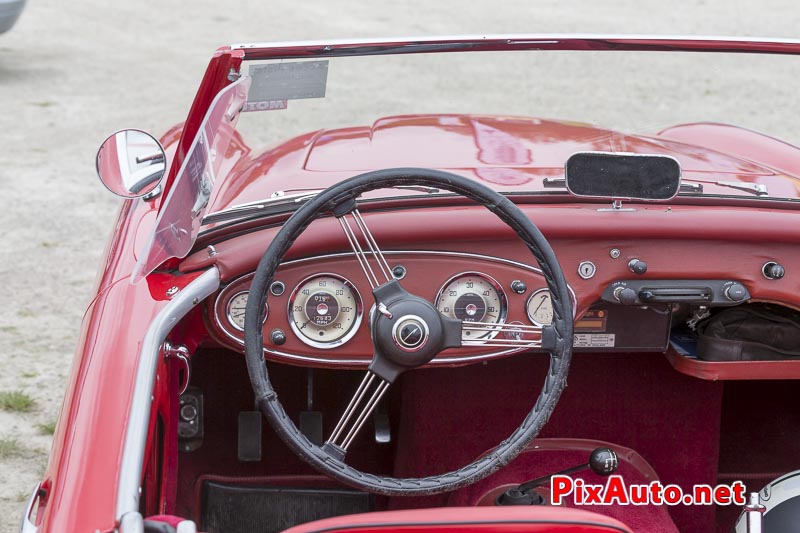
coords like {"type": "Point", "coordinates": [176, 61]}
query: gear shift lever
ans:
{"type": "Point", "coordinates": [602, 461]}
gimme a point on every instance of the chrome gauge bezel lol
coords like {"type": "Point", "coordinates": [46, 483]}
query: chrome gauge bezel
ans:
{"type": "Point", "coordinates": [502, 315]}
{"type": "Point", "coordinates": [347, 336]}
{"type": "Point", "coordinates": [528, 302]}
{"type": "Point", "coordinates": [228, 303]}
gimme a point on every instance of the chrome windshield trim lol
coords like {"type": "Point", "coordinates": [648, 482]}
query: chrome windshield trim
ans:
{"type": "Point", "coordinates": [252, 208]}
{"type": "Point", "coordinates": [501, 42]}
{"type": "Point", "coordinates": [25, 524]}
{"type": "Point", "coordinates": [132, 460]}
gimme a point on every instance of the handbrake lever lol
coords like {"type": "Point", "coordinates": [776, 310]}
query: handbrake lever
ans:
{"type": "Point", "coordinates": [602, 461]}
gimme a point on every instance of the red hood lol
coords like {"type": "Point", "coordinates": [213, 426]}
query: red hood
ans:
{"type": "Point", "coordinates": [506, 153]}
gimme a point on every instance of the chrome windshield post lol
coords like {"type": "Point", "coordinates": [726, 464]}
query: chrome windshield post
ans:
{"type": "Point", "coordinates": [139, 415]}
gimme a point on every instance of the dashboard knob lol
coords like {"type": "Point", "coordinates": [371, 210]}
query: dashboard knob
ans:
{"type": "Point", "coordinates": [278, 337]}
{"type": "Point", "coordinates": [625, 295]}
{"type": "Point", "coordinates": [637, 266]}
{"type": "Point", "coordinates": [519, 286]}
{"type": "Point", "coordinates": [735, 292]}
{"type": "Point", "coordinates": [773, 270]}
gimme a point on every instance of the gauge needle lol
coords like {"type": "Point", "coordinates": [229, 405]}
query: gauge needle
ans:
{"type": "Point", "coordinates": [541, 303]}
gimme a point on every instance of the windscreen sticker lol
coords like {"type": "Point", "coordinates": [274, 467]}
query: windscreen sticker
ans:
{"type": "Point", "coordinates": [274, 84]}
{"type": "Point", "coordinates": [269, 105]}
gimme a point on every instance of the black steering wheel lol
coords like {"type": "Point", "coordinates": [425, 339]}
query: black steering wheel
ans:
{"type": "Point", "coordinates": [407, 332]}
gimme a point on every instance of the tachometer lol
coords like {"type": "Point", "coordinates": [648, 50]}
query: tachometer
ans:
{"type": "Point", "coordinates": [473, 297]}
{"type": "Point", "coordinates": [325, 310]}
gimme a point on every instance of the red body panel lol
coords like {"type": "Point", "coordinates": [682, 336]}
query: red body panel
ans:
{"type": "Point", "coordinates": [505, 154]}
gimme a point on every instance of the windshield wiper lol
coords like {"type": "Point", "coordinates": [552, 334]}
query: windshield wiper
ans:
{"type": "Point", "coordinates": [696, 187]}
{"type": "Point", "coordinates": [282, 199]}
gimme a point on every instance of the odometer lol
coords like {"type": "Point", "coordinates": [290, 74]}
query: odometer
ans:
{"type": "Point", "coordinates": [325, 310]}
{"type": "Point", "coordinates": [473, 297]}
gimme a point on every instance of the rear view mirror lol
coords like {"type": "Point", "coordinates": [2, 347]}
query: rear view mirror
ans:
{"type": "Point", "coordinates": [131, 163]}
{"type": "Point", "coordinates": [623, 176]}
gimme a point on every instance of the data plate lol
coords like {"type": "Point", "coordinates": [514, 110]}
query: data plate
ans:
{"type": "Point", "coordinates": [621, 328]}
{"type": "Point", "coordinates": [594, 340]}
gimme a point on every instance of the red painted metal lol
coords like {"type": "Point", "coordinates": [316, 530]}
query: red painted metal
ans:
{"type": "Point", "coordinates": [524, 519]}
{"type": "Point", "coordinates": [505, 154]}
{"type": "Point", "coordinates": [493, 43]}
{"type": "Point", "coordinates": [222, 70]}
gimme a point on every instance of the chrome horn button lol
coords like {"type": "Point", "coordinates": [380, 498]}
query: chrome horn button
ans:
{"type": "Point", "coordinates": [410, 333]}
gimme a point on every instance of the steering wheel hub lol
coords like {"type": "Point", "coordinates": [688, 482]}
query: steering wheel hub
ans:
{"type": "Point", "coordinates": [410, 333]}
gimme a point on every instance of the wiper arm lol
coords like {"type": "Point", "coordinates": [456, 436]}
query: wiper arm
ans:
{"type": "Point", "coordinates": [259, 206]}
{"type": "Point", "coordinates": [759, 189]}
{"type": "Point", "coordinates": [287, 197]}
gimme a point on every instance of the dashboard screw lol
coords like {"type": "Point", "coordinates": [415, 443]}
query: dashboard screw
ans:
{"type": "Point", "coordinates": [399, 271]}
{"type": "Point", "coordinates": [614, 253]}
{"type": "Point", "coordinates": [172, 291]}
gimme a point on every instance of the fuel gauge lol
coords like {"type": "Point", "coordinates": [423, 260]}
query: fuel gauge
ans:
{"type": "Point", "coordinates": [540, 308]}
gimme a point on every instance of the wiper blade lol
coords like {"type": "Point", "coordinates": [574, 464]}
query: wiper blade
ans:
{"type": "Point", "coordinates": [696, 187]}
{"type": "Point", "coordinates": [561, 183]}
{"type": "Point", "coordinates": [286, 198]}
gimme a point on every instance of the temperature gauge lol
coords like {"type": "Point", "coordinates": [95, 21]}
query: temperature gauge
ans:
{"type": "Point", "coordinates": [540, 308]}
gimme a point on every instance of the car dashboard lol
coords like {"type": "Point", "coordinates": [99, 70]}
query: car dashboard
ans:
{"type": "Point", "coordinates": [674, 261]}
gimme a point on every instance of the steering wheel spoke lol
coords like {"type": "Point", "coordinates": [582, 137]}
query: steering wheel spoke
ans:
{"type": "Point", "coordinates": [383, 273]}
{"type": "Point", "coordinates": [366, 398]}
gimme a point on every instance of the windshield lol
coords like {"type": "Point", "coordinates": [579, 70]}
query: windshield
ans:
{"type": "Point", "coordinates": [508, 118]}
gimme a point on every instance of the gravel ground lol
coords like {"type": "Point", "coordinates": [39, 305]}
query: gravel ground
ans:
{"type": "Point", "coordinates": [72, 72]}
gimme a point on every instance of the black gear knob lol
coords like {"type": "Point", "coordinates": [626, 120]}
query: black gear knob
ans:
{"type": "Point", "coordinates": [603, 461]}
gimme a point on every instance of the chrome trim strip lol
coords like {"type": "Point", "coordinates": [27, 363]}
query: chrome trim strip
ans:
{"type": "Point", "coordinates": [434, 362]}
{"type": "Point", "coordinates": [132, 460]}
{"type": "Point", "coordinates": [511, 42]}
{"type": "Point", "coordinates": [132, 522]}
{"type": "Point", "coordinates": [25, 524]}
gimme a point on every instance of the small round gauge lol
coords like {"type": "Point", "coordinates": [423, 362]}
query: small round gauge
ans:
{"type": "Point", "coordinates": [473, 297]}
{"type": "Point", "coordinates": [540, 308]}
{"type": "Point", "coordinates": [236, 309]}
{"type": "Point", "coordinates": [325, 310]}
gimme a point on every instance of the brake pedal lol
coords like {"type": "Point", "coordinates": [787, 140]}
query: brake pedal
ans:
{"type": "Point", "coordinates": [310, 421]}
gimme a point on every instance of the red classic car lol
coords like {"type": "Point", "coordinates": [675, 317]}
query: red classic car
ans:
{"type": "Point", "coordinates": [400, 295]}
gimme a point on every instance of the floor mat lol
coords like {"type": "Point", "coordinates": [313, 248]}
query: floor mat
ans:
{"type": "Point", "coordinates": [242, 508]}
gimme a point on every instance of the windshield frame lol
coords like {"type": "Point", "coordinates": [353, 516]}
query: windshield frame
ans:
{"type": "Point", "coordinates": [225, 66]}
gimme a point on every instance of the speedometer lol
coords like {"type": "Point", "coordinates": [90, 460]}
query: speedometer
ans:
{"type": "Point", "coordinates": [473, 297]}
{"type": "Point", "coordinates": [325, 310]}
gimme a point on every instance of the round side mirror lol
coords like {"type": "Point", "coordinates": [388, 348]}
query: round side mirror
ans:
{"type": "Point", "coordinates": [131, 163]}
